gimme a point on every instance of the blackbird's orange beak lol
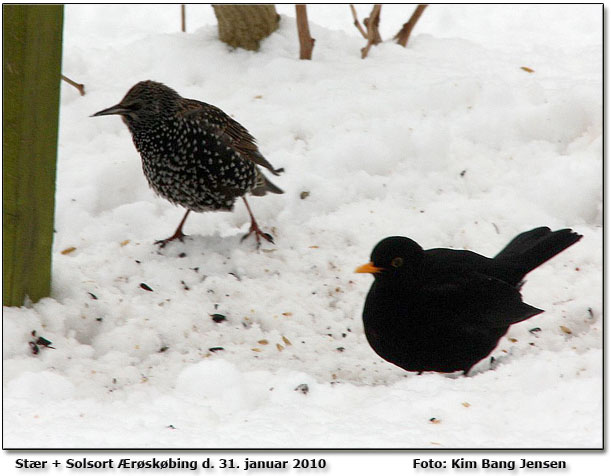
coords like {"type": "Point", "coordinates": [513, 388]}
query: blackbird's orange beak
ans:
{"type": "Point", "coordinates": [368, 268]}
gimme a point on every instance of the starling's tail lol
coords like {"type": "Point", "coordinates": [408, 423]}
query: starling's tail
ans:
{"type": "Point", "coordinates": [532, 248]}
{"type": "Point", "coordinates": [264, 185]}
{"type": "Point", "coordinates": [258, 158]}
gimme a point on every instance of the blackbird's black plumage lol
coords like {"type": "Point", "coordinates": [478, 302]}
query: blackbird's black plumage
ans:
{"type": "Point", "coordinates": [444, 310]}
{"type": "Point", "coordinates": [193, 154]}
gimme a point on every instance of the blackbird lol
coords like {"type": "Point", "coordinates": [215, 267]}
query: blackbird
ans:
{"type": "Point", "coordinates": [444, 310]}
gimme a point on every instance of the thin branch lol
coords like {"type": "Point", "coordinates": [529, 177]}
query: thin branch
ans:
{"type": "Point", "coordinates": [183, 18]}
{"type": "Point", "coordinates": [403, 35]}
{"type": "Point", "coordinates": [373, 33]}
{"type": "Point", "coordinates": [306, 42]}
{"type": "Point", "coordinates": [80, 87]}
{"type": "Point", "coordinates": [373, 24]}
{"type": "Point", "coordinates": [357, 23]}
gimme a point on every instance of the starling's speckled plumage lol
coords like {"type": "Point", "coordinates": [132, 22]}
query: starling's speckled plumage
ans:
{"type": "Point", "coordinates": [444, 310]}
{"type": "Point", "coordinates": [193, 154]}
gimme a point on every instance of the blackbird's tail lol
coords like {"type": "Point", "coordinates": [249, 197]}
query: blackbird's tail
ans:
{"type": "Point", "coordinates": [532, 248]}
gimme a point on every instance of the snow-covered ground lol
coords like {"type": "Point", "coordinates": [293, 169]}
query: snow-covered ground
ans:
{"type": "Point", "coordinates": [450, 142]}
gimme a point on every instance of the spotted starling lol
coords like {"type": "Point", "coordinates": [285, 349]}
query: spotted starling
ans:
{"type": "Point", "coordinates": [193, 154]}
{"type": "Point", "coordinates": [444, 310]}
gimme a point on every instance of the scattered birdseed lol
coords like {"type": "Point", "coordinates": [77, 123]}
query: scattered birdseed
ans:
{"type": "Point", "coordinates": [69, 250]}
{"type": "Point", "coordinates": [286, 341]}
{"type": "Point", "coordinates": [145, 286]}
{"type": "Point", "coordinates": [566, 330]}
{"type": "Point", "coordinates": [303, 388]}
{"type": "Point", "coordinates": [218, 318]}
{"type": "Point", "coordinates": [40, 341]}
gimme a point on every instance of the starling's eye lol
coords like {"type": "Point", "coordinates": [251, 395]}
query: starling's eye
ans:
{"type": "Point", "coordinates": [397, 262]}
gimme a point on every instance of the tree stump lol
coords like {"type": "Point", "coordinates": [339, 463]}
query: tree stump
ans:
{"type": "Point", "coordinates": [244, 26]}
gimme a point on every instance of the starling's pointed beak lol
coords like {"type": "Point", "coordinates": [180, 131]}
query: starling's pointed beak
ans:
{"type": "Point", "coordinates": [118, 109]}
{"type": "Point", "coordinates": [368, 268]}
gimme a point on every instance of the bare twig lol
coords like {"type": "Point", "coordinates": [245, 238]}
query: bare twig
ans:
{"type": "Point", "coordinates": [357, 23]}
{"type": "Point", "coordinates": [183, 18]}
{"type": "Point", "coordinates": [80, 87]}
{"type": "Point", "coordinates": [373, 33]}
{"type": "Point", "coordinates": [403, 35]}
{"type": "Point", "coordinates": [373, 24]}
{"type": "Point", "coordinates": [306, 42]}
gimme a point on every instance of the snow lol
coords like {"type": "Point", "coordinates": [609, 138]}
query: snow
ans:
{"type": "Point", "coordinates": [449, 142]}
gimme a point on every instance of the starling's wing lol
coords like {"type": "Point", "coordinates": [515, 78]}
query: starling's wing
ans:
{"type": "Point", "coordinates": [476, 298]}
{"type": "Point", "coordinates": [229, 131]}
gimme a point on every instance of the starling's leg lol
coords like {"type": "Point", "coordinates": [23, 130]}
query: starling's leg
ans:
{"type": "Point", "coordinates": [178, 234]}
{"type": "Point", "coordinates": [254, 228]}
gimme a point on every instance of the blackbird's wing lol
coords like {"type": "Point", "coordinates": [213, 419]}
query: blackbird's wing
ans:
{"type": "Point", "coordinates": [475, 299]}
{"type": "Point", "coordinates": [229, 131]}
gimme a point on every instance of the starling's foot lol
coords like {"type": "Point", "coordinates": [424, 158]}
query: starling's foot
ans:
{"type": "Point", "coordinates": [254, 228]}
{"type": "Point", "coordinates": [179, 235]}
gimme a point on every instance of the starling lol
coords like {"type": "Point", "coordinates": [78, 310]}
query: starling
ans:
{"type": "Point", "coordinates": [193, 154]}
{"type": "Point", "coordinates": [444, 310]}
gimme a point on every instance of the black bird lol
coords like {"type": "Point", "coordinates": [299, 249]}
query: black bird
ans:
{"type": "Point", "coordinates": [193, 154]}
{"type": "Point", "coordinates": [444, 310]}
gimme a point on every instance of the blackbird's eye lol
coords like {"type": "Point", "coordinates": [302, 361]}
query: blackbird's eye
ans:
{"type": "Point", "coordinates": [397, 262]}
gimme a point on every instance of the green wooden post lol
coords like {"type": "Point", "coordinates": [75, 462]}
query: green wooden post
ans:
{"type": "Point", "coordinates": [32, 49]}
